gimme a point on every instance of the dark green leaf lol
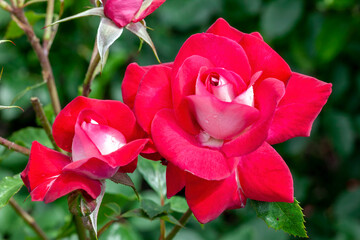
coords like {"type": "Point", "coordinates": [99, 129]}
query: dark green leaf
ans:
{"type": "Point", "coordinates": [280, 215]}
{"type": "Point", "coordinates": [171, 219]}
{"type": "Point", "coordinates": [153, 209]}
{"type": "Point", "coordinates": [178, 204]}
{"type": "Point", "coordinates": [9, 186]}
{"type": "Point", "coordinates": [154, 174]}
{"type": "Point", "coordinates": [280, 17]}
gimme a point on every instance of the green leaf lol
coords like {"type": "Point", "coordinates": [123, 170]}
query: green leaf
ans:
{"type": "Point", "coordinates": [14, 31]}
{"type": "Point", "coordinates": [26, 136]}
{"type": "Point", "coordinates": [124, 179]}
{"type": "Point", "coordinates": [9, 186]}
{"type": "Point", "coordinates": [280, 17]}
{"type": "Point", "coordinates": [153, 209]}
{"type": "Point", "coordinates": [178, 204]}
{"type": "Point", "coordinates": [280, 215]}
{"type": "Point", "coordinates": [154, 174]}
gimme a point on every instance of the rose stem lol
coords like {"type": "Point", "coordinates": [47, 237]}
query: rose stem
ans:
{"type": "Point", "coordinates": [48, 20]}
{"type": "Point", "coordinates": [44, 121]}
{"type": "Point", "coordinates": [90, 74]}
{"type": "Point", "coordinates": [80, 229]}
{"type": "Point", "coordinates": [18, 16]}
{"type": "Point", "coordinates": [28, 219]}
{"type": "Point", "coordinates": [14, 146]}
{"type": "Point", "coordinates": [182, 221]}
{"type": "Point", "coordinates": [162, 222]}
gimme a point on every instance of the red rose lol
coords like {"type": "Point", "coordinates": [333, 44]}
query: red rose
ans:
{"type": "Point", "coordinates": [123, 12]}
{"type": "Point", "coordinates": [102, 137]}
{"type": "Point", "coordinates": [214, 112]}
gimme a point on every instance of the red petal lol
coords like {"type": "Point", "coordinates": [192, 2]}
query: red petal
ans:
{"type": "Point", "coordinates": [303, 100]}
{"type": "Point", "coordinates": [154, 93]}
{"type": "Point", "coordinates": [130, 168]}
{"type": "Point", "coordinates": [220, 51]}
{"type": "Point", "coordinates": [263, 58]}
{"type": "Point", "coordinates": [222, 120]}
{"type": "Point", "coordinates": [208, 199]}
{"type": "Point", "coordinates": [222, 28]}
{"type": "Point", "coordinates": [43, 166]}
{"type": "Point", "coordinates": [116, 114]}
{"type": "Point", "coordinates": [121, 12]}
{"type": "Point", "coordinates": [183, 85]}
{"type": "Point", "coordinates": [183, 150]}
{"type": "Point", "coordinates": [267, 95]}
{"type": "Point", "coordinates": [126, 154]}
{"type": "Point", "coordinates": [264, 176]}
{"type": "Point", "coordinates": [129, 87]}
{"type": "Point", "coordinates": [68, 182]}
{"type": "Point", "coordinates": [93, 168]}
{"type": "Point", "coordinates": [153, 6]}
{"type": "Point", "coordinates": [175, 180]}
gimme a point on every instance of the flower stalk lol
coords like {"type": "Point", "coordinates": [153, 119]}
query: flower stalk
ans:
{"type": "Point", "coordinates": [183, 220]}
{"type": "Point", "coordinates": [28, 219]}
{"type": "Point", "coordinates": [91, 72]}
{"type": "Point", "coordinates": [44, 121]}
{"type": "Point", "coordinates": [14, 146]}
{"type": "Point", "coordinates": [19, 17]}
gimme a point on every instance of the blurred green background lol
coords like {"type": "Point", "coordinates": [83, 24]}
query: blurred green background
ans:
{"type": "Point", "coordinates": [320, 38]}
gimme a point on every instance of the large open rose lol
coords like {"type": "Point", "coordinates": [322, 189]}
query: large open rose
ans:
{"type": "Point", "coordinates": [102, 137]}
{"type": "Point", "coordinates": [213, 113]}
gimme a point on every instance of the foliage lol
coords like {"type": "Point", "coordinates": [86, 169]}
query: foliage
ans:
{"type": "Point", "coordinates": [319, 38]}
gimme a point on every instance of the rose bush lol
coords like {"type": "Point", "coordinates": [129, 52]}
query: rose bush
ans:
{"type": "Point", "coordinates": [103, 139]}
{"type": "Point", "coordinates": [215, 111]}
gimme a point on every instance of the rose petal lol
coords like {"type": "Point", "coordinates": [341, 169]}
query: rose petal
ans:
{"type": "Point", "coordinates": [303, 100]}
{"type": "Point", "coordinates": [93, 168]}
{"type": "Point", "coordinates": [183, 150]}
{"type": "Point", "coordinates": [68, 182]}
{"type": "Point", "coordinates": [116, 114]}
{"type": "Point", "coordinates": [208, 199]}
{"type": "Point", "coordinates": [222, 28]}
{"type": "Point", "coordinates": [220, 51]}
{"type": "Point", "coordinates": [263, 58]}
{"type": "Point", "coordinates": [132, 78]}
{"type": "Point", "coordinates": [121, 12]}
{"type": "Point", "coordinates": [146, 9]}
{"type": "Point", "coordinates": [175, 180]}
{"type": "Point", "coordinates": [183, 85]}
{"type": "Point", "coordinates": [154, 93]}
{"type": "Point", "coordinates": [222, 120]}
{"type": "Point", "coordinates": [44, 165]}
{"type": "Point", "coordinates": [267, 95]}
{"type": "Point", "coordinates": [264, 176]}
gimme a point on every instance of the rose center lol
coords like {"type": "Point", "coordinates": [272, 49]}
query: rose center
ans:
{"type": "Point", "coordinates": [220, 87]}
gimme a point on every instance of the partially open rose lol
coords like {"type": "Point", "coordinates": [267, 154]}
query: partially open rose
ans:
{"type": "Point", "coordinates": [213, 113]}
{"type": "Point", "coordinates": [102, 137]}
